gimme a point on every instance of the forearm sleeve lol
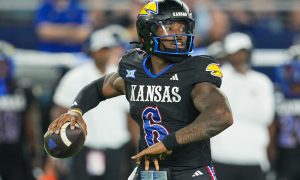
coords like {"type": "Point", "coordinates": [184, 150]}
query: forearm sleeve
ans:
{"type": "Point", "coordinates": [90, 96]}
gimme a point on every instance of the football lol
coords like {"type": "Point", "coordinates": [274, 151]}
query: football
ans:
{"type": "Point", "coordinates": [65, 144]}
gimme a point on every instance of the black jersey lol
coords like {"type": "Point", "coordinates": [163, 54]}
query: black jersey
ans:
{"type": "Point", "coordinates": [13, 107]}
{"type": "Point", "coordinates": [161, 103]}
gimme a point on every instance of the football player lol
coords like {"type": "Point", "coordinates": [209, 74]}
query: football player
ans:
{"type": "Point", "coordinates": [173, 96]}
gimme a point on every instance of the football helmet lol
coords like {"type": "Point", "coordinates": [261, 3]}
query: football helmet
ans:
{"type": "Point", "coordinates": [165, 28]}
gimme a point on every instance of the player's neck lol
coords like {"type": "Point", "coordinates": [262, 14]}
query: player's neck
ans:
{"type": "Point", "coordinates": [101, 68]}
{"type": "Point", "coordinates": [158, 64]}
{"type": "Point", "coordinates": [241, 68]}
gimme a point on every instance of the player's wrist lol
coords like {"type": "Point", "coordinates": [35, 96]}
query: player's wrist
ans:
{"type": "Point", "coordinates": [75, 111]}
{"type": "Point", "coordinates": [170, 141]}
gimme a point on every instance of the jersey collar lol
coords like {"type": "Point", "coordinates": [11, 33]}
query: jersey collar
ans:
{"type": "Point", "coordinates": [149, 73]}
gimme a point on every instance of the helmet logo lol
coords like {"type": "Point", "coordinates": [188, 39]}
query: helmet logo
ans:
{"type": "Point", "coordinates": [214, 70]}
{"type": "Point", "coordinates": [151, 7]}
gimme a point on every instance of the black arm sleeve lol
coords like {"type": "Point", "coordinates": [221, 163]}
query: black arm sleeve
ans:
{"type": "Point", "coordinates": [90, 96]}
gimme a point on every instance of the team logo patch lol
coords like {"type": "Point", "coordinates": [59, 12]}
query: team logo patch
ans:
{"type": "Point", "coordinates": [130, 73]}
{"type": "Point", "coordinates": [214, 70]}
{"type": "Point", "coordinates": [151, 7]}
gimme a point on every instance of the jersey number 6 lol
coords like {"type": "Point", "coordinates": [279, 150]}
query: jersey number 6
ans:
{"type": "Point", "coordinates": [154, 131]}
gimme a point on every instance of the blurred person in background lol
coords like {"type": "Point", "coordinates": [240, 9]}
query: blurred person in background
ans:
{"type": "Point", "coordinates": [285, 151]}
{"type": "Point", "coordinates": [62, 26]}
{"type": "Point", "coordinates": [212, 23]}
{"type": "Point", "coordinates": [106, 144]}
{"type": "Point", "coordinates": [136, 6]}
{"type": "Point", "coordinates": [241, 151]}
{"type": "Point", "coordinates": [294, 24]}
{"type": "Point", "coordinates": [20, 131]}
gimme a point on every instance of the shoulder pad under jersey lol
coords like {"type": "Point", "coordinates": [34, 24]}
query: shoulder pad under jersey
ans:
{"type": "Point", "coordinates": [132, 60]}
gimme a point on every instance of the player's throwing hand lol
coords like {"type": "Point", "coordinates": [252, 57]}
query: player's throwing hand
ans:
{"type": "Point", "coordinates": [71, 116]}
{"type": "Point", "coordinates": [155, 152]}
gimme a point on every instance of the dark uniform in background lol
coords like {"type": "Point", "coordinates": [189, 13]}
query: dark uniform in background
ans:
{"type": "Point", "coordinates": [18, 137]}
{"type": "Point", "coordinates": [162, 104]}
{"type": "Point", "coordinates": [288, 121]}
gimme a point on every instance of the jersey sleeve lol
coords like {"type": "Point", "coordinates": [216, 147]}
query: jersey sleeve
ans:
{"type": "Point", "coordinates": [206, 69]}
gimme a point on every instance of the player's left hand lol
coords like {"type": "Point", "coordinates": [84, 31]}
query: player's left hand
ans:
{"type": "Point", "coordinates": [154, 152]}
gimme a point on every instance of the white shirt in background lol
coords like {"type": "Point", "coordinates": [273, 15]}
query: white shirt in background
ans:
{"type": "Point", "coordinates": [107, 123]}
{"type": "Point", "coordinates": [251, 98]}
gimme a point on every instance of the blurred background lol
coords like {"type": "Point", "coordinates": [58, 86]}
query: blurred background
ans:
{"type": "Point", "coordinates": [46, 38]}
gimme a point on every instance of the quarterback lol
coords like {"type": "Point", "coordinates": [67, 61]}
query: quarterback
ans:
{"type": "Point", "coordinates": [173, 96]}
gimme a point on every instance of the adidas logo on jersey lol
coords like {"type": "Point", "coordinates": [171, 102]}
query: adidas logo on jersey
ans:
{"type": "Point", "coordinates": [174, 77]}
{"type": "Point", "coordinates": [197, 173]}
